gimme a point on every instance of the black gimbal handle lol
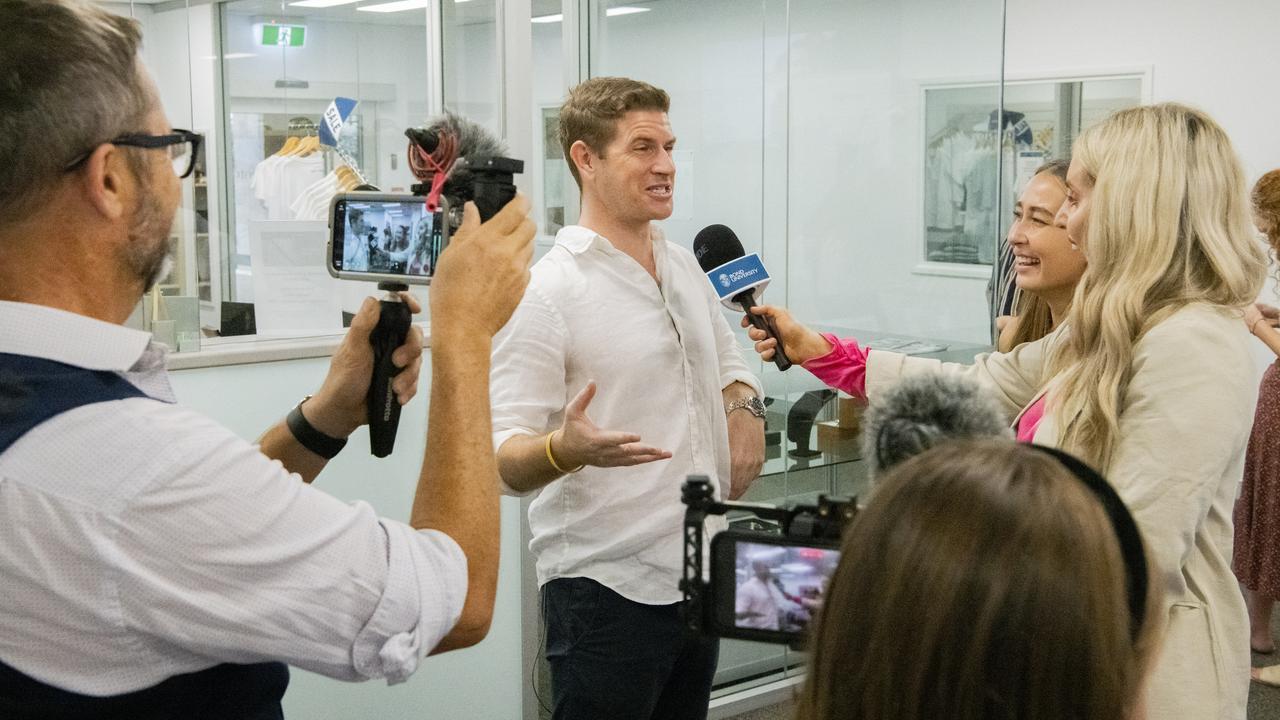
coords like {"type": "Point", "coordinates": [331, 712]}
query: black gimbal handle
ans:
{"type": "Point", "coordinates": [383, 408]}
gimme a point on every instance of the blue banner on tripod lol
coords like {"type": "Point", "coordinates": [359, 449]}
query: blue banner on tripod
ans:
{"type": "Point", "coordinates": [334, 118]}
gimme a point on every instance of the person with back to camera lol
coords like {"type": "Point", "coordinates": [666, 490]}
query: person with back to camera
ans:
{"type": "Point", "coordinates": [1046, 266]}
{"type": "Point", "coordinates": [152, 563]}
{"type": "Point", "coordinates": [960, 595]}
{"type": "Point", "coordinates": [615, 301]}
{"type": "Point", "coordinates": [1148, 378]}
{"type": "Point", "coordinates": [1256, 556]}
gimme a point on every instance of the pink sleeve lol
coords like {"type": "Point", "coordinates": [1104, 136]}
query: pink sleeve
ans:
{"type": "Point", "coordinates": [844, 368]}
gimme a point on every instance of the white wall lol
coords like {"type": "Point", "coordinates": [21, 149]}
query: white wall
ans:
{"type": "Point", "coordinates": [856, 154]}
{"type": "Point", "coordinates": [1220, 57]}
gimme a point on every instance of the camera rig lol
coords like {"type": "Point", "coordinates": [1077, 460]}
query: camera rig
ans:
{"type": "Point", "coordinates": [823, 522]}
{"type": "Point", "coordinates": [459, 161]}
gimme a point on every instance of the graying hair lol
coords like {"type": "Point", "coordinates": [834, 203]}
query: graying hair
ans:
{"type": "Point", "coordinates": [68, 81]}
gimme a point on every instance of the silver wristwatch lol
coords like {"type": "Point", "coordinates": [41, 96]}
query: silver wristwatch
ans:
{"type": "Point", "coordinates": [751, 404]}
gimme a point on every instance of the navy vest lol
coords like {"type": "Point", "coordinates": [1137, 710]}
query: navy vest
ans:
{"type": "Point", "coordinates": [33, 390]}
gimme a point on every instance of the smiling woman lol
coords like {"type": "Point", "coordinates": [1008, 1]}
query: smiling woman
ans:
{"type": "Point", "coordinates": [1047, 266]}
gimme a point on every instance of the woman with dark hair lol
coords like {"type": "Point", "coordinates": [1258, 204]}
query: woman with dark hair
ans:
{"type": "Point", "coordinates": [961, 595]}
{"type": "Point", "coordinates": [1046, 266]}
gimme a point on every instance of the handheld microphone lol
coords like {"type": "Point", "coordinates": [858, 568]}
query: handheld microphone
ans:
{"type": "Point", "coordinates": [921, 411]}
{"type": "Point", "coordinates": [736, 276]}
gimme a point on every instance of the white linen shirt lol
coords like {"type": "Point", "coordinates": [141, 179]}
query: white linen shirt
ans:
{"type": "Point", "coordinates": [660, 354]}
{"type": "Point", "coordinates": [140, 540]}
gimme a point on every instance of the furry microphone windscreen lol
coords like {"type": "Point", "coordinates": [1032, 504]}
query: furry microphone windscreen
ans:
{"type": "Point", "coordinates": [923, 410]}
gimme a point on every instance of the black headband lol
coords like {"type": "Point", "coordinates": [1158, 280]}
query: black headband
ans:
{"type": "Point", "coordinates": [1131, 551]}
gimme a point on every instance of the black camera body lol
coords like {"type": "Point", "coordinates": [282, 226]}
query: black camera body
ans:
{"type": "Point", "coordinates": [415, 234]}
{"type": "Point", "coordinates": [762, 586]}
{"type": "Point", "coordinates": [489, 182]}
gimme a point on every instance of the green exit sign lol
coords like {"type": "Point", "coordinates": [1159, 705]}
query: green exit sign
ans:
{"type": "Point", "coordinates": [284, 35]}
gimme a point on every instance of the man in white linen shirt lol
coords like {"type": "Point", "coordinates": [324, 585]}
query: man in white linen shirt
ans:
{"type": "Point", "coordinates": [152, 563]}
{"type": "Point", "coordinates": [614, 302]}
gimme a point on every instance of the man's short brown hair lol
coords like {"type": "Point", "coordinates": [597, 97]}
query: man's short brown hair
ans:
{"type": "Point", "coordinates": [593, 108]}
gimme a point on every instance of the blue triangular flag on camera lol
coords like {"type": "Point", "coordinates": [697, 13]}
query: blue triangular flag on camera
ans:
{"type": "Point", "coordinates": [335, 116]}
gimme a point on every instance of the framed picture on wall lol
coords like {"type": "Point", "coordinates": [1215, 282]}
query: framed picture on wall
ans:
{"type": "Point", "coordinates": [976, 159]}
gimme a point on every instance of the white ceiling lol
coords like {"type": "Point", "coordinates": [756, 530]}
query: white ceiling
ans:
{"type": "Point", "coordinates": [466, 12]}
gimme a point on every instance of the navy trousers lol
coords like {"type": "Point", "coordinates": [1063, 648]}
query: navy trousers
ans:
{"type": "Point", "coordinates": [614, 658]}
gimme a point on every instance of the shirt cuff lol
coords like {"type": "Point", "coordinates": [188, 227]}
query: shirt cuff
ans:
{"type": "Point", "coordinates": [499, 438]}
{"type": "Point", "coordinates": [732, 376]}
{"type": "Point", "coordinates": [844, 368]}
{"type": "Point", "coordinates": [422, 601]}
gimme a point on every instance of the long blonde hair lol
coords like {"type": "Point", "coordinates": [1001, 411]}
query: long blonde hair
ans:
{"type": "Point", "coordinates": [1170, 225]}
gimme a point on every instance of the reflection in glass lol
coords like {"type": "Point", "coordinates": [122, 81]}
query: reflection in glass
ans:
{"type": "Point", "coordinates": [472, 82]}
{"type": "Point", "coordinates": [962, 221]}
{"type": "Point", "coordinates": [283, 67]}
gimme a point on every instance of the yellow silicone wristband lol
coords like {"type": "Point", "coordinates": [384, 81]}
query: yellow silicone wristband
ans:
{"type": "Point", "coordinates": [551, 458]}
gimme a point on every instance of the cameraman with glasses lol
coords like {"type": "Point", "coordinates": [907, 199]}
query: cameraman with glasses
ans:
{"type": "Point", "coordinates": [152, 563]}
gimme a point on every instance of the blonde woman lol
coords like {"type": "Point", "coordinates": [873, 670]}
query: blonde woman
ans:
{"type": "Point", "coordinates": [1149, 379]}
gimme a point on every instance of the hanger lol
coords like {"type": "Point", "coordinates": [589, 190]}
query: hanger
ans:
{"type": "Point", "coordinates": [307, 146]}
{"type": "Point", "coordinates": [346, 177]}
{"type": "Point", "coordinates": [290, 144]}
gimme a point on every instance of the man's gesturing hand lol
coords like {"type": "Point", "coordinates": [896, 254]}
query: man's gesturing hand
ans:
{"type": "Point", "coordinates": [580, 442]}
{"type": "Point", "coordinates": [483, 272]}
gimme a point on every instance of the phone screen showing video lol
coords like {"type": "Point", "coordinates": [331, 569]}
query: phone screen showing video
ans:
{"type": "Point", "coordinates": [387, 237]}
{"type": "Point", "coordinates": [780, 588]}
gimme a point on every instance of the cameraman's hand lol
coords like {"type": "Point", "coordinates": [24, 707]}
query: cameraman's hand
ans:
{"type": "Point", "coordinates": [580, 442]}
{"type": "Point", "coordinates": [483, 272]}
{"type": "Point", "coordinates": [802, 343]}
{"type": "Point", "coordinates": [339, 407]}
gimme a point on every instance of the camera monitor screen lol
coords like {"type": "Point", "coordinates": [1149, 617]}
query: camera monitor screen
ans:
{"type": "Point", "coordinates": [778, 588]}
{"type": "Point", "coordinates": [386, 237]}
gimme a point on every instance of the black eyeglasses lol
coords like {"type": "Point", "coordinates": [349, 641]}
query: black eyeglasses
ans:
{"type": "Point", "coordinates": [183, 146]}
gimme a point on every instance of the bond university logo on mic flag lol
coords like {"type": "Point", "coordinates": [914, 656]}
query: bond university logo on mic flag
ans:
{"type": "Point", "coordinates": [334, 118]}
{"type": "Point", "coordinates": [738, 275]}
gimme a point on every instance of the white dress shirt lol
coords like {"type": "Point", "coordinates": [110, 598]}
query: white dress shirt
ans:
{"type": "Point", "coordinates": [660, 354]}
{"type": "Point", "coordinates": [141, 540]}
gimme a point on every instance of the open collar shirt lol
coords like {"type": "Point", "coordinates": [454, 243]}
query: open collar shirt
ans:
{"type": "Point", "coordinates": [660, 353]}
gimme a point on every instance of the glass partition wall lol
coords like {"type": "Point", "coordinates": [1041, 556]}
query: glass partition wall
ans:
{"type": "Point", "coordinates": [800, 125]}
{"type": "Point", "coordinates": [284, 64]}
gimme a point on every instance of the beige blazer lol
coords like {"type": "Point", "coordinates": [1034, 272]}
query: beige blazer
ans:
{"type": "Point", "coordinates": [1184, 426]}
